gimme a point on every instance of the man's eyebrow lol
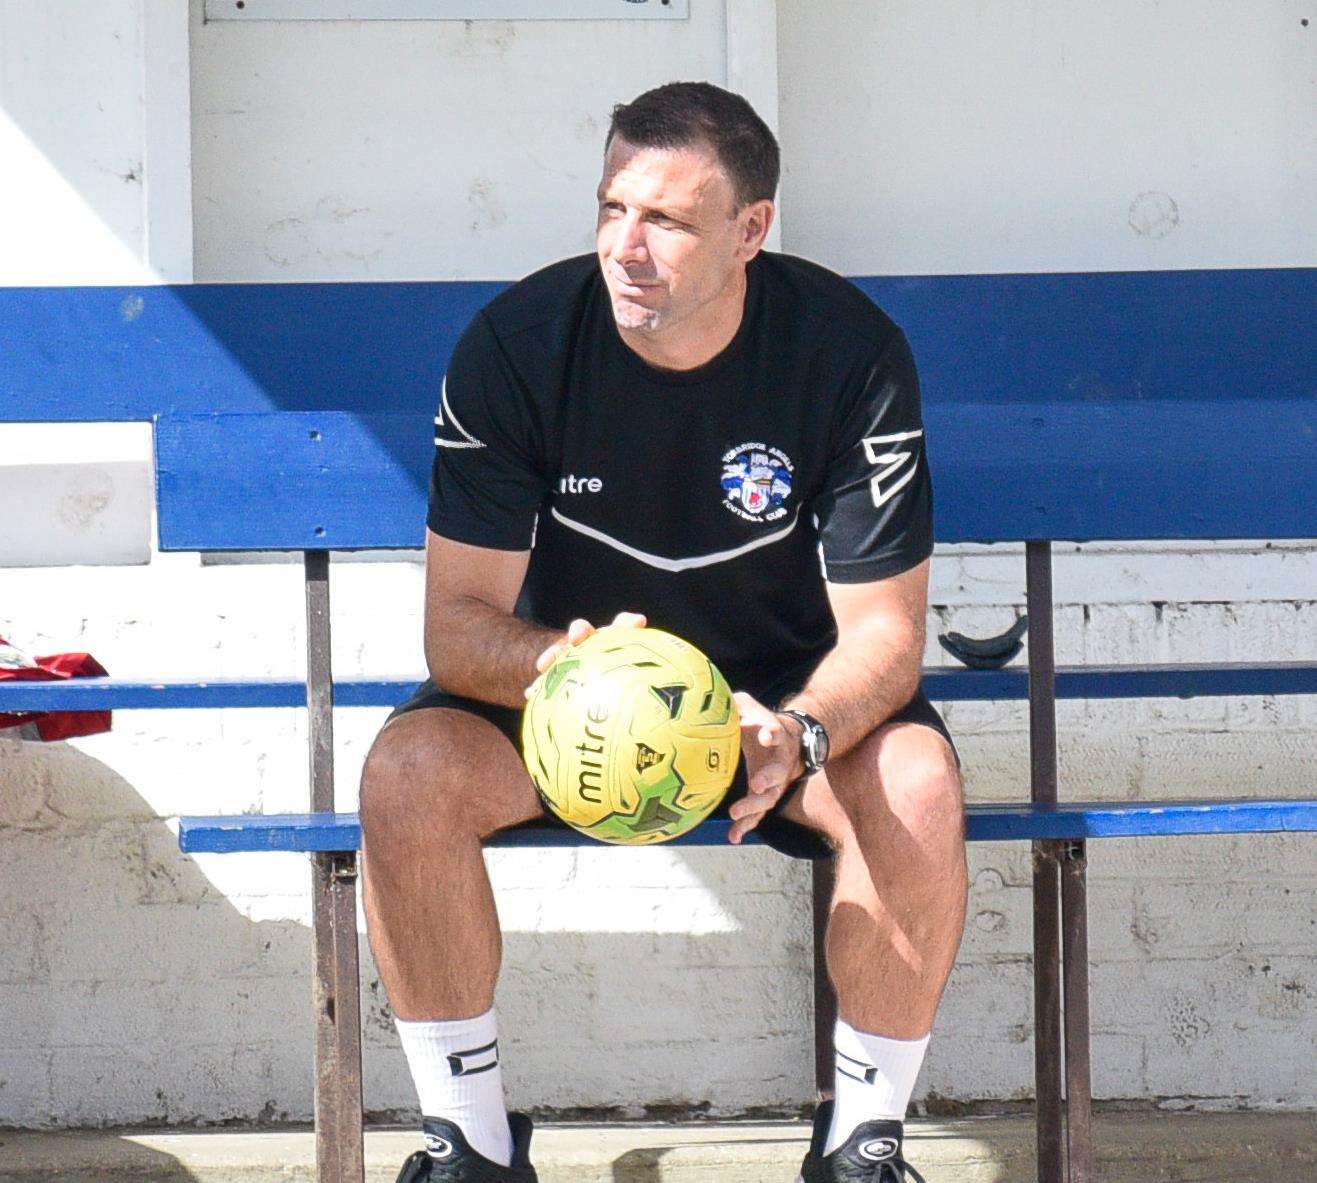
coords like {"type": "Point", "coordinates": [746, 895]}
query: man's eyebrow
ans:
{"type": "Point", "coordinates": [675, 215]}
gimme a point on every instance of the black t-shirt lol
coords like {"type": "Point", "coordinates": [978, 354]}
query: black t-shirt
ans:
{"type": "Point", "coordinates": [713, 500]}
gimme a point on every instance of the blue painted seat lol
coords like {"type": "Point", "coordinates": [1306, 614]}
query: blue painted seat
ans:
{"type": "Point", "coordinates": [1024, 821]}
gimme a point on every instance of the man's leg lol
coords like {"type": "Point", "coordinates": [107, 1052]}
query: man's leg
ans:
{"type": "Point", "coordinates": [892, 808]}
{"type": "Point", "coordinates": [436, 783]}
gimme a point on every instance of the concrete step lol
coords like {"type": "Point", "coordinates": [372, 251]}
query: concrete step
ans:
{"type": "Point", "coordinates": [1136, 1147]}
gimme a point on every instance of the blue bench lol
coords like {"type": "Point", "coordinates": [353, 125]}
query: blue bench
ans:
{"type": "Point", "coordinates": [1059, 407]}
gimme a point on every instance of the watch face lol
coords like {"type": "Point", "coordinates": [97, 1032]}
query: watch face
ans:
{"type": "Point", "coordinates": [814, 743]}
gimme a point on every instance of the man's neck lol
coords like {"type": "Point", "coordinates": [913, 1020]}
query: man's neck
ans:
{"type": "Point", "coordinates": [700, 338]}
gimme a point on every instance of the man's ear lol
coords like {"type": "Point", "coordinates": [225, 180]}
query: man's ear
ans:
{"type": "Point", "coordinates": [754, 223]}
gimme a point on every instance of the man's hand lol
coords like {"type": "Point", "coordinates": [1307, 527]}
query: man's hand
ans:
{"type": "Point", "coordinates": [577, 631]}
{"type": "Point", "coordinates": [770, 747]}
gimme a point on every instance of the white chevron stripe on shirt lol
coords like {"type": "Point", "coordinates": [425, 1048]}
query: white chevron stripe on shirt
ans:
{"type": "Point", "coordinates": [707, 560]}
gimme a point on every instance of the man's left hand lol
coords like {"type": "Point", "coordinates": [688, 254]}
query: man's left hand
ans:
{"type": "Point", "coordinates": [770, 747]}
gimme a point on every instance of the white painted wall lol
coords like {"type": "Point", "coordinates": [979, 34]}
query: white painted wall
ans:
{"type": "Point", "coordinates": [441, 150]}
{"type": "Point", "coordinates": [945, 136]}
{"type": "Point", "coordinates": [96, 189]}
{"type": "Point", "coordinates": [138, 985]}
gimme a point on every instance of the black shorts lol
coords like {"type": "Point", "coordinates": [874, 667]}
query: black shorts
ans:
{"type": "Point", "coordinates": [777, 831]}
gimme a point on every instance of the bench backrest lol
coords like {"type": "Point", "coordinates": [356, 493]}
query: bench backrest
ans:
{"type": "Point", "coordinates": [1124, 405]}
{"type": "Point", "coordinates": [1137, 470]}
{"type": "Point", "coordinates": [114, 353]}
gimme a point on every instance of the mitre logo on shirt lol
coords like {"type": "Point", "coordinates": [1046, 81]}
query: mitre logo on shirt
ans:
{"type": "Point", "coordinates": [756, 481]}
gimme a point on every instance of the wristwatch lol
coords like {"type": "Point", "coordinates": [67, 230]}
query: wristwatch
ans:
{"type": "Point", "coordinates": [813, 740]}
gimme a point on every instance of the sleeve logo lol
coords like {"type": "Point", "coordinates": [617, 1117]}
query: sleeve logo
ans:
{"type": "Point", "coordinates": [896, 465]}
{"type": "Point", "coordinates": [448, 432]}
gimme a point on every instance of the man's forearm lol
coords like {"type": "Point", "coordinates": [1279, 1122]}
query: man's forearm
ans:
{"type": "Point", "coordinates": [480, 651]}
{"type": "Point", "coordinates": [861, 682]}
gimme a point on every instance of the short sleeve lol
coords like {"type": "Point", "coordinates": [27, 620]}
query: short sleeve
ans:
{"type": "Point", "coordinates": [485, 487]}
{"type": "Point", "coordinates": [875, 510]}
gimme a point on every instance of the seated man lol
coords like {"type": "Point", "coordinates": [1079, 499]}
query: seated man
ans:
{"type": "Point", "coordinates": [600, 442]}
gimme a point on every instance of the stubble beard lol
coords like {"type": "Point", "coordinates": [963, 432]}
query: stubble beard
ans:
{"type": "Point", "coordinates": [636, 318]}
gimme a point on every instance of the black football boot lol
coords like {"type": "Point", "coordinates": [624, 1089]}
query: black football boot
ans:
{"type": "Point", "coordinates": [872, 1154]}
{"type": "Point", "coordinates": [447, 1158]}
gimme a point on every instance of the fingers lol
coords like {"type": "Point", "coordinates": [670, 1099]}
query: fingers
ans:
{"type": "Point", "coordinates": [577, 631]}
{"type": "Point", "coordinates": [748, 812]}
{"type": "Point", "coordinates": [550, 655]}
{"type": "Point", "coordinates": [770, 750]}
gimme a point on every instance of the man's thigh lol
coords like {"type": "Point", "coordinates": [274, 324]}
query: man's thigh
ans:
{"type": "Point", "coordinates": [449, 753]}
{"type": "Point", "coordinates": [906, 770]}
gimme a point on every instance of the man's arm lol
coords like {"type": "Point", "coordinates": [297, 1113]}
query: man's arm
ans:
{"type": "Point", "coordinates": [870, 673]}
{"type": "Point", "coordinates": [873, 670]}
{"type": "Point", "coordinates": [474, 646]}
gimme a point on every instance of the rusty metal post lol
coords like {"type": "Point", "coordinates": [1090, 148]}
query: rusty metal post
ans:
{"type": "Point", "coordinates": [336, 987]}
{"type": "Point", "coordinates": [824, 877]}
{"type": "Point", "coordinates": [1046, 887]}
{"type": "Point", "coordinates": [1079, 1090]}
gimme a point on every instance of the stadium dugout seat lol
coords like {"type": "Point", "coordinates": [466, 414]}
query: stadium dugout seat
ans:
{"type": "Point", "coordinates": [1117, 406]}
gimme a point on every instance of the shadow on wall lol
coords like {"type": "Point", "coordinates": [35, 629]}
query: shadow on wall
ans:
{"type": "Point", "coordinates": [133, 992]}
{"type": "Point", "coordinates": [139, 995]}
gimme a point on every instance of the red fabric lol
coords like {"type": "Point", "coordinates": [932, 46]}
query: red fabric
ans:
{"type": "Point", "coordinates": [53, 725]}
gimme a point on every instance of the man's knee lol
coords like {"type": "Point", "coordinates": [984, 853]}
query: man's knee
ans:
{"type": "Point", "coordinates": [397, 763]}
{"type": "Point", "coordinates": [421, 768]}
{"type": "Point", "coordinates": [907, 772]}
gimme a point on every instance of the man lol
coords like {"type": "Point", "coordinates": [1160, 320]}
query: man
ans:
{"type": "Point", "coordinates": [600, 437]}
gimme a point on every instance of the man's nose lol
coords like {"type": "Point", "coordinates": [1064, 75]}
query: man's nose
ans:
{"type": "Point", "coordinates": [630, 246]}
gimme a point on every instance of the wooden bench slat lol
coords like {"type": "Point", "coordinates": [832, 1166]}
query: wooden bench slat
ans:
{"type": "Point", "coordinates": [135, 352]}
{"type": "Point", "coordinates": [341, 831]}
{"type": "Point", "coordinates": [943, 684]}
{"type": "Point", "coordinates": [318, 480]}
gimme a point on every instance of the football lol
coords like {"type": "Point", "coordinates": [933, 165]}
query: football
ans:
{"type": "Point", "coordinates": [632, 736]}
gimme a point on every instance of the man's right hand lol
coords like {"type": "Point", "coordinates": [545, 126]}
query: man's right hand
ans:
{"type": "Point", "coordinates": [577, 631]}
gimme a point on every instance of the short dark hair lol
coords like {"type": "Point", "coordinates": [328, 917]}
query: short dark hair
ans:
{"type": "Point", "coordinates": [683, 114]}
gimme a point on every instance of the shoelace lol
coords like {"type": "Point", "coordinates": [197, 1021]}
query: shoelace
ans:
{"type": "Point", "coordinates": [895, 1170]}
{"type": "Point", "coordinates": [899, 1171]}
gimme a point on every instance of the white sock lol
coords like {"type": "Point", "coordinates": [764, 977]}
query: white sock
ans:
{"type": "Point", "coordinates": [873, 1079]}
{"type": "Point", "coordinates": [457, 1075]}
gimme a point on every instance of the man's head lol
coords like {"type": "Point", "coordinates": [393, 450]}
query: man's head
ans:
{"type": "Point", "coordinates": [686, 200]}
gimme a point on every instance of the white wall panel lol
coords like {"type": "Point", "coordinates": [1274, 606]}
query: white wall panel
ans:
{"type": "Point", "coordinates": [71, 143]}
{"type": "Point", "coordinates": [415, 150]}
{"type": "Point", "coordinates": [951, 136]}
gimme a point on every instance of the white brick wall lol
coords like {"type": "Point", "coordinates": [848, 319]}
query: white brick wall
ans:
{"type": "Point", "coordinates": [137, 984]}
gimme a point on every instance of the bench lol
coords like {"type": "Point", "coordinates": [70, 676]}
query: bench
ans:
{"type": "Point", "coordinates": [1105, 399]}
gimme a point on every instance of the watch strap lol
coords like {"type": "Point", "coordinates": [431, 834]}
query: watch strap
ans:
{"type": "Point", "coordinates": [812, 728]}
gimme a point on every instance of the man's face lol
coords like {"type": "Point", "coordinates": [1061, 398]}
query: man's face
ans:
{"type": "Point", "coordinates": [669, 237]}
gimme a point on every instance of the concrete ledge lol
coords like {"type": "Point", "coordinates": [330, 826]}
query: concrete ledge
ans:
{"type": "Point", "coordinates": [1134, 1147]}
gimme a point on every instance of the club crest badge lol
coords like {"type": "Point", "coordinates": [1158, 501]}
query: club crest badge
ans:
{"type": "Point", "coordinates": [756, 481]}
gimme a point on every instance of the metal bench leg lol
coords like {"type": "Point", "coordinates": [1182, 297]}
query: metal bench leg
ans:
{"type": "Point", "coordinates": [1047, 1012]}
{"type": "Point", "coordinates": [337, 999]}
{"type": "Point", "coordinates": [824, 874]}
{"type": "Point", "coordinates": [336, 990]}
{"type": "Point", "coordinates": [1079, 1088]}
{"type": "Point", "coordinates": [1046, 889]}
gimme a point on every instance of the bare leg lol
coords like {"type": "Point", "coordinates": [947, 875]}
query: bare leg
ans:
{"type": "Point", "coordinates": [435, 784]}
{"type": "Point", "coordinates": [892, 808]}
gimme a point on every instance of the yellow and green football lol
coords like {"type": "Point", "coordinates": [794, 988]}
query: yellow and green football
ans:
{"type": "Point", "coordinates": [632, 736]}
